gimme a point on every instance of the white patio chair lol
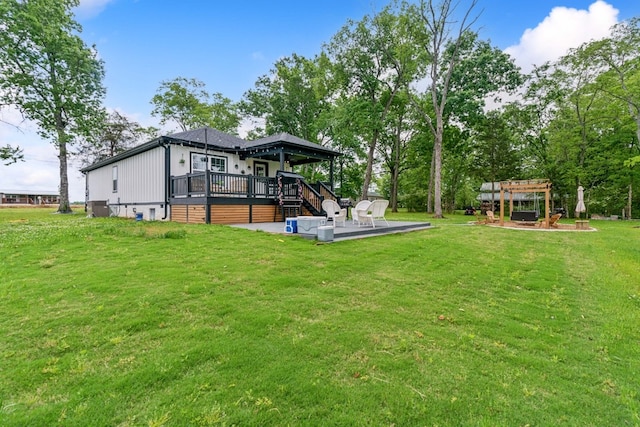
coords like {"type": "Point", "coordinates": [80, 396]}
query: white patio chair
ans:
{"type": "Point", "coordinates": [375, 211]}
{"type": "Point", "coordinates": [333, 211]}
{"type": "Point", "coordinates": [361, 205]}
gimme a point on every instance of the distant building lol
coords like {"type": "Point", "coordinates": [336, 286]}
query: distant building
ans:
{"type": "Point", "coordinates": [491, 191]}
{"type": "Point", "coordinates": [29, 197]}
{"type": "Point", "coordinates": [374, 195]}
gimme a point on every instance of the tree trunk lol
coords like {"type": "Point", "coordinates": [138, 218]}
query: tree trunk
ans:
{"type": "Point", "coordinates": [629, 203]}
{"type": "Point", "coordinates": [395, 172]}
{"type": "Point", "coordinates": [394, 188]}
{"type": "Point", "coordinates": [437, 154]}
{"type": "Point", "coordinates": [430, 185]}
{"type": "Point", "coordinates": [65, 206]}
{"type": "Point", "coordinates": [367, 176]}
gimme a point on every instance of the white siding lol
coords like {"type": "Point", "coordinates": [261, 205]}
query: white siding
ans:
{"type": "Point", "coordinates": [141, 184]}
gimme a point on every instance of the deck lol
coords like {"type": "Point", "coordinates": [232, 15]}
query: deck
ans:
{"type": "Point", "coordinates": [224, 198]}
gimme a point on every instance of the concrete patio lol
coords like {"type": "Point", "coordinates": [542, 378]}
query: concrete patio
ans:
{"type": "Point", "coordinates": [349, 231]}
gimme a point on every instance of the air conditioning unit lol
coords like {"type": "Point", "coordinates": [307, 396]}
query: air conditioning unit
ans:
{"type": "Point", "coordinates": [99, 208]}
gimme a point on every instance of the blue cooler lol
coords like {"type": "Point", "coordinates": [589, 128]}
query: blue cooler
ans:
{"type": "Point", "coordinates": [291, 225]}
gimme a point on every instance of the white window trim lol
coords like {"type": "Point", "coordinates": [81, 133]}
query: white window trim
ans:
{"type": "Point", "coordinates": [195, 160]}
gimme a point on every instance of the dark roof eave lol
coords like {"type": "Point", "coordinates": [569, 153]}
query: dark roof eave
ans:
{"type": "Point", "coordinates": [293, 148]}
{"type": "Point", "coordinates": [158, 142]}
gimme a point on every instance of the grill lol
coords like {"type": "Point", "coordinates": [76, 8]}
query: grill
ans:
{"type": "Point", "coordinates": [345, 203]}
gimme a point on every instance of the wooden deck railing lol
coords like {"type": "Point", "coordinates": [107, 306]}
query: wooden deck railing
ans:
{"type": "Point", "coordinates": [312, 196]}
{"type": "Point", "coordinates": [250, 186]}
{"type": "Point", "coordinates": [223, 185]}
{"type": "Point", "coordinates": [326, 192]}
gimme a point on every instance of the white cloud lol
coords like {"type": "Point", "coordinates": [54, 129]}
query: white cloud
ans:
{"type": "Point", "coordinates": [563, 29]}
{"type": "Point", "coordinates": [91, 8]}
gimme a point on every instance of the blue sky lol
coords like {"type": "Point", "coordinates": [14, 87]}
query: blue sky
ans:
{"type": "Point", "coordinates": [229, 44]}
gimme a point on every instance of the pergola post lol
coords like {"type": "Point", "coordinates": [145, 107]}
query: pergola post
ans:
{"type": "Point", "coordinates": [546, 207]}
{"type": "Point", "coordinates": [501, 205]}
{"type": "Point", "coordinates": [510, 203]}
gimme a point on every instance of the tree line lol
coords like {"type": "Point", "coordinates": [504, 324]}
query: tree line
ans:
{"type": "Point", "coordinates": [419, 105]}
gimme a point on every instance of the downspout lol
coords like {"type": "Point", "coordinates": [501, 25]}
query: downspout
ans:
{"type": "Point", "coordinates": [86, 192]}
{"type": "Point", "coordinates": [167, 175]}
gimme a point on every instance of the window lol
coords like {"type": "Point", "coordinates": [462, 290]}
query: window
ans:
{"type": "Point", "coordinates": [199, 163]}
{"type": "Point", "coordinates": [218, 164]}
{"type": "Point", "coordinates": [114, 178]}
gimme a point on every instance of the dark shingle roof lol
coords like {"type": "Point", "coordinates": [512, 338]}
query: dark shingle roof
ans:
{"type": "Point", "coordinates": [289, 139]}
{"type": "Point", "coordinates": [211, 137]}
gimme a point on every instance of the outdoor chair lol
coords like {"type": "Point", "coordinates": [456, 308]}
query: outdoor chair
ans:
{"type": "Point", "coordinates": [361, 205]}
{"type": "Point", "coordinates": [375, 211]}
{"type": "Point", "coordinates": [553, 221]}
{"type": "Point", "coordinates": [490, 218]}
{"type": "Point", "coordinates": [335, 212]}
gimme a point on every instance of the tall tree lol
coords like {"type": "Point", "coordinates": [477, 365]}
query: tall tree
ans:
{"type": "Point", "coordinates": [620, 55]}
{"type": "Point", "coordinates": [187, 103]}
{"type": "Point", "coordinates": [437, 21]}
{"type": "Point", "coordinates": [459, 95]}
{"type": "Point", "coordinates": [50, 75]}
{"type": "Point", "coordinates": [375, 59]}
{"type": "Point", "coordinates": [494, 157]}
{"type": "Point", "coordinates": [394, 145]}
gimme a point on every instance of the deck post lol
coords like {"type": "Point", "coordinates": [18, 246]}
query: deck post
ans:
{"type": "Point", "coordinates": [331, 176]}
{"type": "Point", "coordinates": [207, 193]}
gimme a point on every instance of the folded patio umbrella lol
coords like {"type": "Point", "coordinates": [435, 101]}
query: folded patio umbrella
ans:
{"type": "Point", "coordinates": [580, 206]}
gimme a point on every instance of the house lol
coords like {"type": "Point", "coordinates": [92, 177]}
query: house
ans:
{"type": "Point", "coordinates": [208, 176]}
{"type": "Point", "coordinates": [490, 193]}
{"type": "Point", "coordinates": [29, 197]}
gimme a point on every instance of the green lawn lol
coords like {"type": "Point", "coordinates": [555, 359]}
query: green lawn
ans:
{"type": "Point", "coordinates": [112, 322]}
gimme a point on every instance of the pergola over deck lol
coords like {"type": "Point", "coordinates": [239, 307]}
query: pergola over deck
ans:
{"type": "Point", "coordinates": [527, 186]}
{"type": "Point", "coordinates": [292, 150]}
